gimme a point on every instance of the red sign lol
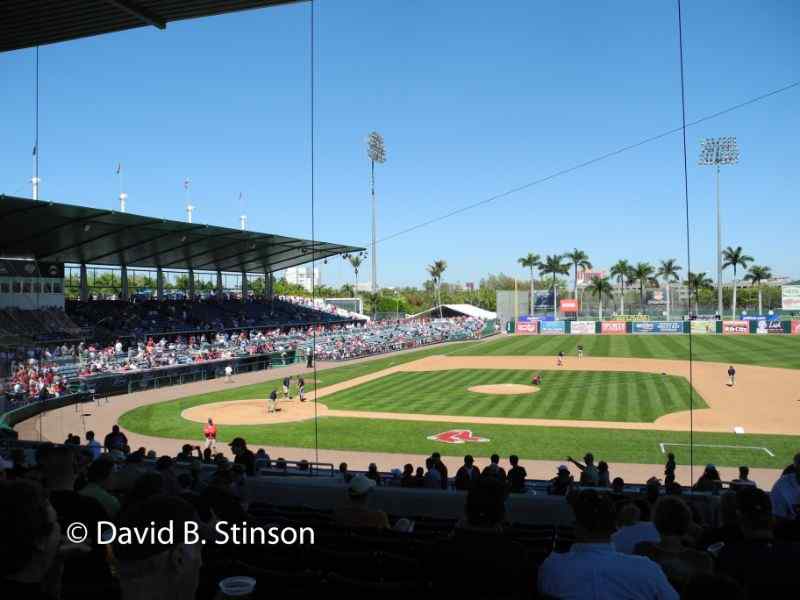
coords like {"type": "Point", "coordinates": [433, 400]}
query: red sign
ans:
{"type": "Point", "coordinates": [613, 328]}
{"type": "Point", "coordinates": [527, 327]}
{"type": "Point", "coordinates": [795, 327]}
{"type": "Point", "coordinates": [569, 305]}
{"type": "Point", "coordinates": [457, 436]}
{"type": "Point", "coordinates": [736, 328]}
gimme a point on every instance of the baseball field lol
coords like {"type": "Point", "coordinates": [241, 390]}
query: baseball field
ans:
{"type": "Point", "coordinates": [627, 400]}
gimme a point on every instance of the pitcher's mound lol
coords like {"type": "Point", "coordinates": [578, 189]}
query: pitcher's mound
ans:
{"type": "Point", "coordinates": [509, 389]}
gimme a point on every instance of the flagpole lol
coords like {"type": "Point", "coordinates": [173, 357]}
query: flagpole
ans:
{"type": "Point", "coordinates": [35, 180]}
{"type": "Point", "coordinates": [122, 195]}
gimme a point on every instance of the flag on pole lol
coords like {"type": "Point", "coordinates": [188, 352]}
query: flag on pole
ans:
{"type": "Point", "coordinates": [119, 168]}
{"type": "Point", "coordinates": [186, 184]}
{"type": "Point", "coordinates": [34, 149]}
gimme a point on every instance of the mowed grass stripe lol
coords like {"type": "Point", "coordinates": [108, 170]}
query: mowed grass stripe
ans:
{"type": "Point", "coordinates": [767, 350]}
{"type": "Point", "coordinates": [569, 395]}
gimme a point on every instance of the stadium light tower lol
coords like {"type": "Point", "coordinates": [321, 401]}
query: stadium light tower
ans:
{"type": "Point", "coordinates": [716, 152]}
{"type": "Point", "coordinates": [377, 154]}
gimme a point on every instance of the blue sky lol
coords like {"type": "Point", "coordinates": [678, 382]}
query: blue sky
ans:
{"type": "Point", "coordinates": [473, 98]}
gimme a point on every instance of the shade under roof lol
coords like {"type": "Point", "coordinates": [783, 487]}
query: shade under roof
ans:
{"type": "Point", "coordinates": [28, 23]}
{"type": "Point", "coordinates": [65, 233]}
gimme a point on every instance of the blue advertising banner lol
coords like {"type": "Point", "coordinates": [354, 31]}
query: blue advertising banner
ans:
{"type": "Point", "coordinates": [657, 327]}
{"type": "Point", "coordinates": [552, 328]}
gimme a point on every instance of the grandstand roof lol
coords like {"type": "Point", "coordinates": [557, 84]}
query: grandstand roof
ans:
{"type": "Point", "coordinates": [24, 24]}
{"type": "Point", "coordinates": [65, 233]}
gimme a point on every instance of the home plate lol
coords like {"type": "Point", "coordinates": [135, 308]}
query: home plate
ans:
{"type": "Point", "coordinates": [738, 429]}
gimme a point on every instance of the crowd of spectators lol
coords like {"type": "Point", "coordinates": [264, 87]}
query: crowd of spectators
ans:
{"type": "Point", "coordinates": [364, 339]}
{"type": "Point", "coordinates": [631, 544]}
{"type": "Point", "coordinates": [54, 367]}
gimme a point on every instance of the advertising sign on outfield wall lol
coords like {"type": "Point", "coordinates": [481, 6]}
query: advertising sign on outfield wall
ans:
{"type": "Point", "coordinates": [657, 327]}
{"type": "Point", "coordinates": [703, 327]}
{"type": "Point", "coordinates": [765, 327]}
{"type": "Point", "coordinates": [735, 328]}
{"type": "Point", "coordinates": [613, 327]}
{"type": "Point", "coordinates": [552, 328]}
{"type": "Point", "coordinates": [795, 328]}
{"type": "Point", "coordinates": [581, 327]}
{"type": "Point", "coordinates": [568, 305]}
{"type": "Point", "coordinates": [525, 327]}
{"type": "Point", "coordinates": [790, 297]}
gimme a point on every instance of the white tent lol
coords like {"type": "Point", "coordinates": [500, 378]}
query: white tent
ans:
{"type": "Point", "coordinates": [466, 310]}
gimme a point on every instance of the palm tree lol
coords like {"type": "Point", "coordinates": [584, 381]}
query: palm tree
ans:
{"type": "Point", "coordinates": [530, 262]}
{"type": "Point", "coordinates": [599, 287]}
{"type": "Point", "coordinates": [436, 270]}
{"type": "Point", "coordinates": [735, 257]}
{"type": "Point", "coordinates": [756, 275]}
{"type": "Point", "coordinates": [696, 282]}
{"type": "Point", "coordinates": [554, 265]}
{"type": "Point", "coordinates": [374, 299]}
{"type": "Point", "coordinates": [355, 262]}
{"type": "Point", "coordinates": [578, 258]}
{"type": "Point", "coordinates": [643, 273]}
{"type": "Point", "coordinates": [668, 271]}
{"type": "Point", "coordinates": [620, 271]}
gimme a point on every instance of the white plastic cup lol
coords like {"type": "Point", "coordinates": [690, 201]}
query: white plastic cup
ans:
{"type": "Point", "coordinates": [237, 587]}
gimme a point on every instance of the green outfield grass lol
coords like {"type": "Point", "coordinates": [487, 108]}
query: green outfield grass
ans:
{"type": "Point", "coordinates": [552, 443]}
{"type": "Point", "coordinates": [769, 351]}
{"type": "Point", "coordinates": [575, 395]}
{"type": "Point", "coordinates": [545, 443]}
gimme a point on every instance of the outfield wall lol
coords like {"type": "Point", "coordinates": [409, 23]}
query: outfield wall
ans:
{"type": "Point", "coordinates": [528, 326]}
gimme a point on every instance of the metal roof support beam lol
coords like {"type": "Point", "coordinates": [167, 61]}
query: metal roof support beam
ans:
{"type": "Point", "coordinates": [224, 258]}
{"type": "Point", "coordinates": [90, 241]}
{"type": "Point", "coordinates": [206, 251]}
{"type": "Point", "coordinates": [39, 234]}
{"type": "Point", "coordinates": [188, 242]}
{"type": "Point", "coordinates": [129, 246]}
{"type": "Point", "coordinates": [140, 13]}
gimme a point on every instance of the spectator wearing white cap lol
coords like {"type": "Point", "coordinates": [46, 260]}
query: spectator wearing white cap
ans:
{"type": "Point", "coordinates": [561, 483]}
{"type": "Point", "coordinates": [356, 512]}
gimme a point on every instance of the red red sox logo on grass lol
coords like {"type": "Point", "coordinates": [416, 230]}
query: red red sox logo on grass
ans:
{"type": "Point", "coordinates": [457, 436]}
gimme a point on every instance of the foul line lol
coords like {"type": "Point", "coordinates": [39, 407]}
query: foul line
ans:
{"type": "Point", "coordinates": [767, 450]}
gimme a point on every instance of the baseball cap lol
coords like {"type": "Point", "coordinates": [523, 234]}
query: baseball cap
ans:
{"type": "Point", "coordinates": [360, 485]}
{"type": "Point", "coordinates": [563, 468]}
{"type": "Point", "coordinates": [237, 442]}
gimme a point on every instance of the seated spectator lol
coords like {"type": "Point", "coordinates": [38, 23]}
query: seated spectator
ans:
{"type": "Point", "coordinates": [467, 475]}
{"type": "Point", "coordinates": [589, 473]}
{"type": "Point", "coordinates": [116, 440]}
{"type": "Point", "coordinates": [343, 473]}
{"type": "Point", "coordinates": [433, 479]}
{"type": "Point", "coordinates": [709, 481]}
{"type": "Point", "coordinates": [372, 473]}
{"type": "Point", "coordinates": [634, 526]}
{"type": "Point", "coordinates": [356, 513]}
{"type": "Point", "coordinates": [785, 496]}
{"type": "Point", "coordinates": [493, 469]}
{"type": "Point", "coordinates": [154, 569]}
{"type": "Point", "coordinates": [672, 518]}
{"type": "Point", "coordinates": [767, 568]}
{"type": "Point", "coordinates": [407, 478]}
{"type": "Point", "coordinates": [592, 568]}
{"type": "Point", "coordinates": [603, 476]}
{"type": "Point", "coordinates": [99, 480]}
{"type": "Point", "coordinates": [743, 480]}
{"type": "Point", "coordinates": [442, 468]}
{"type": "Point", "coordinates": [652, 491]}
{"type": "Point", "coordinates": [165, 467]}
{"type": "Point", "coordinates": [244, 456]}
{"type": "Point", "coordinates": [484, 507]}
{"type": "Point", "coordinates": [28, 568]}
{"type": "Point", "coordinates": [729, 530]}
{"type": "Point", "coordinates": [618, 489]}
{"type": "Point", "coordinates": [221, 497]}
{"type": "Point", "coordinates": [419, 478]}
{"type": "Point", "coordinates": [516, 476]}
{"type": "Point", "coordinates": [124, 478]}
{"type": "Point", "coordinates": [93, 444]}
{"type": "Point", "coordinates": [561, 483]}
